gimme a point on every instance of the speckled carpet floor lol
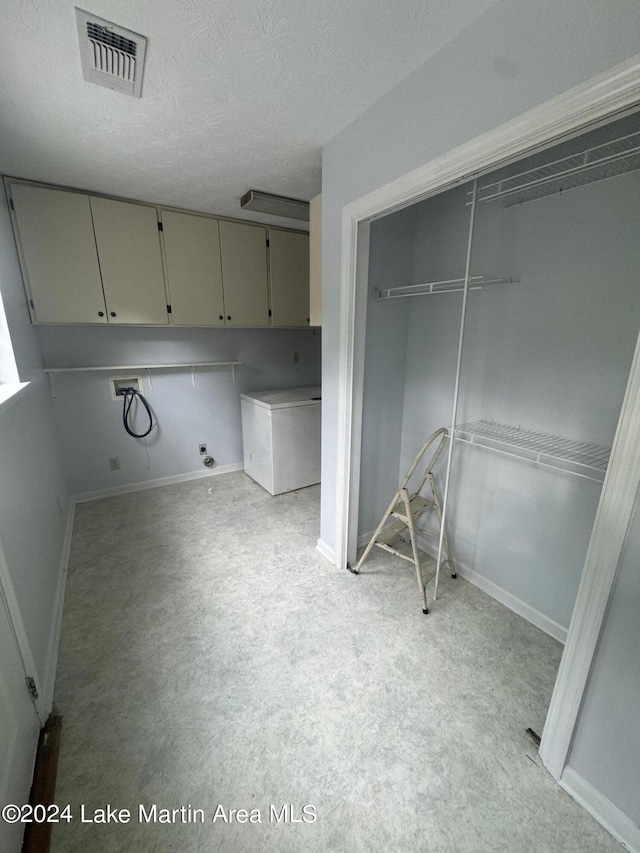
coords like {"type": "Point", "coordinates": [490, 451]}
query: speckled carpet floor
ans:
{"type": "Point", "coordinates": [212, 660]}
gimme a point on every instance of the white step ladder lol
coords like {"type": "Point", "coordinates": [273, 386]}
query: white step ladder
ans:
{"type": "Point", "coordinates": [407, 508]}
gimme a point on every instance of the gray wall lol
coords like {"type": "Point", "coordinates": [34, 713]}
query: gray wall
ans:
{"type": "Point", "coordinates": [550, 47]}
{"type": "Point", "coordinates": [89, 422]}
{"type": "Point", "coordinates": [606, 746]}
{"type": "Point", "coordinates": [390, 260]}
{"type": "Point", "coordinates": [35, 494]}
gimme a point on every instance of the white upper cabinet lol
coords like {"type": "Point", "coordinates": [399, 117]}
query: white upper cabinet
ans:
{"type": "Point", "coordinates": [58, 253]}
{"type": "Point", "coordinates": [289, 274]}
{"type": "Point", "coordinates": [89, 259]}
{"type": "Point", "coordinates": [128, 245]}
{"type": "Point", "coordinates": [244, 274]}
{"type": "Point", "coordinates": [194, 269]}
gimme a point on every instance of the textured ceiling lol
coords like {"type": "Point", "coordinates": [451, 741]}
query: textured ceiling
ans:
{"type": "Point", "coordinates": [237, 94]}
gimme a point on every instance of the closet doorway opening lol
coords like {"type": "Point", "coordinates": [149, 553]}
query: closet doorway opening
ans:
{"type": "Point", "coordinates": [549, 339]}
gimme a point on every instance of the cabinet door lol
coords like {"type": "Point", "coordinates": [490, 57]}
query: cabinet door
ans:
{"type": "Point", "coordinates": [128, 244]}
{"type": "Point", "coordinates": [59, 255]}
{"type": "Point", "coordinates": [194, 270]}
{"type": "Point", "coordinates": [289, 268]}
{"type": "Point", "coordinates": [244, 274]}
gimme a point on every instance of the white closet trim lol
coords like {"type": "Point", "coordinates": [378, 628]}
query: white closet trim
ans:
{"type": "Point", "coordinates": [9, 598]}
{"type": "Point", "coordinates": [614, 91]}
{"type": "Point", "coordinates": [605, 549]}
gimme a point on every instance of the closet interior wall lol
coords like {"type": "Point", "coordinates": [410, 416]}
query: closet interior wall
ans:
{"type": "Point", "coordinates": [550, 354]}
{"type": "Point", "coordinates": [390, 259]}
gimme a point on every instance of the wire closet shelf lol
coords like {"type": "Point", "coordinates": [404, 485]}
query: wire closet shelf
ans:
{"type": "Point", "coordinates": [606, 160]}
{"type": "Point", "coordinates": [551, 451]}
{"type": "Point", "coordinates": [476, 282]}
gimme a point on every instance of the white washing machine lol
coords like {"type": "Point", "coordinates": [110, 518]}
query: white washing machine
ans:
{"type": "Point", "coordinates": [281, 438]}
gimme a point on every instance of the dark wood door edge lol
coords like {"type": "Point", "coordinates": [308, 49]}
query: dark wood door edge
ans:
{"type": "Point", "coordinates": [37, 836]}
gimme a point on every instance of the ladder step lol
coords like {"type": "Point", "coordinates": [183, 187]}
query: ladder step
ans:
{"type": "Point", "coordinates": [389, 533]}
{"type": "Point", "coordinates": [419, 505]}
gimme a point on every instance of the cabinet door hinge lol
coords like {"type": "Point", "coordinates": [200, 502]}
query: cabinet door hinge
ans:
{"type": "Point", "coordinates": [31, 686]}
{"type": "Point", "coordinates": [11, 204]}
{"type": "Point", "coordinates": [168, 309]}
{"type": "Point", "coordinates": [160, 228]}
{"type": "Point", "coordinates": [269, 311]}
{"type": "Point", "coordinates": [33, 307]}
{"type": "Point", "coordinates": [268, 244]}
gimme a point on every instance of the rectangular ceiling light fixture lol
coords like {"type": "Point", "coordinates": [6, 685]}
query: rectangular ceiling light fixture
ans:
{"type": "Point", "coordinates": [111, 56]}
{"type": "Point", "coordinates": [276, 205]}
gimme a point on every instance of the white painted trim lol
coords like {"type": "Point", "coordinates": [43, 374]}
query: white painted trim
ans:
{"type": "Point", "coordinates": [612, 92]}
{"type": "Point", "coordinates": [49, 675]}
{"type": "Point", "coordinates": [8, 594]}
{"type": "Point", "coordinates": [603, 810]}
{"type": "Point", "coordinates": [326, 551]}
{"type": "Point", "coordinates": [608, 536]}
{"type": "Point", "coordinates": [350, 370]}
{"type": "Point", "coordinates": [84, 497]}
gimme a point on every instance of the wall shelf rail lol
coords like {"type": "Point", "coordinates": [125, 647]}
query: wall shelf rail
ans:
{"type": "Point", "coordinates": [124, 368]}
{"type": "Point", "coordinates": [573, 457]}
{"type": "Point", "coordinates": [476, 282]}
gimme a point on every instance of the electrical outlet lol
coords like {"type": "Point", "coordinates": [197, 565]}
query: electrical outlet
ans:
{"type": "Point", "coordinates": [114, 463]}
{"type": "Point", "coordinates": [296, 358]}
{"type": "Point", "coordinates": [203, 449]}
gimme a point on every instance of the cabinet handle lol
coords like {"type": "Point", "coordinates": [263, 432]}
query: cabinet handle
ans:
{"type": "Point", "coordinates": [220, 317]}
{"type": "Point", "coordinates": [228, 316]}
{"type": "Point", "coordinates": [100, 313]}
{"type": "Point", "coordinates": [113, 313]}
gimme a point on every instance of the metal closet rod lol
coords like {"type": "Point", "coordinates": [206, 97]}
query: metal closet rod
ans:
{"type": "Point", "coordinates": [456, 391]}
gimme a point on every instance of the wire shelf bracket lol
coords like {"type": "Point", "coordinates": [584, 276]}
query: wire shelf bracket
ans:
{"type": "Point", "coordinates": [550, 451]}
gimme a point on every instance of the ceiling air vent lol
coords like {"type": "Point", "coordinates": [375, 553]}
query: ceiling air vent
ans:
{"type": "Point", "coordinates": [111, 56]}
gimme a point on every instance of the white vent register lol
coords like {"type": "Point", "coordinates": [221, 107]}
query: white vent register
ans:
{"type": "Point", "coordinates": [111, 56]}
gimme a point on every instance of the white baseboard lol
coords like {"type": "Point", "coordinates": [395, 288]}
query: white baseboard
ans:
{"type": "Point", "coordinates": [49, 675]}
{"type": "Point", "coordinates": [553, 629]}
{"type": "Point", "coordinates": [502, 595]}
{"type": "Point", "coordinates": [161, 481]}
{"type": "Point", "coordinates": [603, 810]}
{"type": "Point", "coordinates": [326, 551]}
